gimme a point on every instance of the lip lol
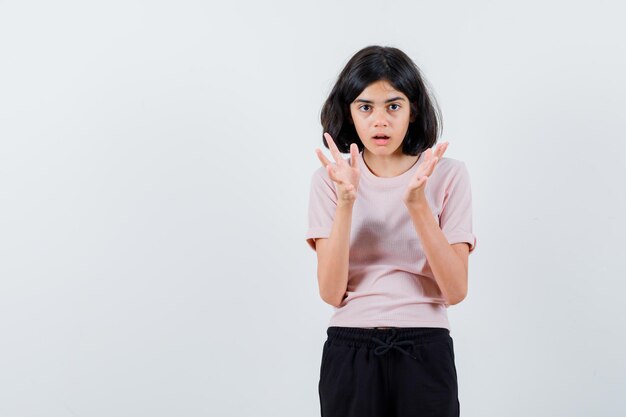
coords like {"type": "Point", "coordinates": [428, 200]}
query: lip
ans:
{"type": "Point", "coordinates": [381, 141]}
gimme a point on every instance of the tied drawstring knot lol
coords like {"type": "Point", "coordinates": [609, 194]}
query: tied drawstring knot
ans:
{"type": "Point", "coordinates": [391, 343]}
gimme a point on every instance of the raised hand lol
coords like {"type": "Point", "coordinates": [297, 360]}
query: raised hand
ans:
{"type": "Point", "coordinates": [414, 193]}
{"type": "Point", "coordinates": [345, 175]}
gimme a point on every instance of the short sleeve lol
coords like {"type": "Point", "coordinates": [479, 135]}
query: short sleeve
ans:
{"type": "Point", "coordinates": [322, 207]}
{"type": "Point", "coordinates": [455, 219]}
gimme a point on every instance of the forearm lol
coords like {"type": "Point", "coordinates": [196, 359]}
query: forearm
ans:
{"type": "Point", "coordinates": [448, 269]}
{"type": "Point", "coordinates": [332, 269]}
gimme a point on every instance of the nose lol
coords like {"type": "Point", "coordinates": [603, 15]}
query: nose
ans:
{"type": "Point", "coordinates": [380, 118]}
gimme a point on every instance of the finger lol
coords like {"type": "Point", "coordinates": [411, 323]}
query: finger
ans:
{"type": "Point", "coordinates": [333, 175]}
{"type": "Point", "coordinates": [441, 149]}
{"type": "Point", "coordinates": [331, 171]}
{"type": "Point", "coordinates": [428, 153]}
{"type": "Point", "coordinates": [354, 155]}
{"type": "Point", "coordinates": [431, 167]}
{"type": "Point", "coordinates": [437, 150]}
{"type": "Point", "coordinates": [322, 157]}
{"type": "Point", "coordinates": [333, 148]}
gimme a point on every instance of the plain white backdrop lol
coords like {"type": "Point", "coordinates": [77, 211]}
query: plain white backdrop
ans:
{"type": "Point", "coordinates": [155, 160]}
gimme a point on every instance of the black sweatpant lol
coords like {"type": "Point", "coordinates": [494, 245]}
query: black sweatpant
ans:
{"type": "Point", "coordinates": [393, 372]}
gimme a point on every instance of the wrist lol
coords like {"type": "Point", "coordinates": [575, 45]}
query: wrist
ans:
{"type": "Point", "coordinates": [345, 204]}
{"type": "Point", "coordinates": [417, 207]}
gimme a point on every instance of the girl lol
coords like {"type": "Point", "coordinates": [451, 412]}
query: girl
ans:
{"type": "Point", "coordinates": [392, 228]}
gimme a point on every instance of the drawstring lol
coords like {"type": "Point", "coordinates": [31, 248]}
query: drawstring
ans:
{"type": "Point", "coordinates": [391, 343]}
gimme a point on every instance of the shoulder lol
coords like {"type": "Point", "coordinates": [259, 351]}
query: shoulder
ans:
{"type": "Point", "coordinates": [450, 167]}
{"type": "Point", "coordinates": [320, 175]}
{"type": "Point", "coordinates": [320, 180]}
{"type": "Point", "coordinates": [450, 174]}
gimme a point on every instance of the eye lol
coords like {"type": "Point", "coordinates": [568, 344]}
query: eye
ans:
{"type": "Point", "coordinates": [364, 105]}
{"type": "Point", "coordinates": [397, 106]}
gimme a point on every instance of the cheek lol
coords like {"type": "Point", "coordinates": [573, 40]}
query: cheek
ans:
{"type": "Point", "coordinates": [405, 119]}
{"type": "Point", "coordinates": [360, 124]}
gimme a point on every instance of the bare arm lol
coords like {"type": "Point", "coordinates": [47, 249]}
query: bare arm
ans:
{"type": "Point", "coordinates": [333, 253]}
{"type": "Point", "coordinates": [332, 257]}
{"type": "Point", "coordinates": [448, 262]}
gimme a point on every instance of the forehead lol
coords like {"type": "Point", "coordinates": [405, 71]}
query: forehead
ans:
{"type": "Point", "coordinates": [381, 90]}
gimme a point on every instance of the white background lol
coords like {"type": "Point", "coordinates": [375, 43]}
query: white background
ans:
{"type": "Point", "coordinates": [155, 160]}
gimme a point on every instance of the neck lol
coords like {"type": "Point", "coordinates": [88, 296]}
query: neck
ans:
{"type": "Point", "coordinates": [387, 166]}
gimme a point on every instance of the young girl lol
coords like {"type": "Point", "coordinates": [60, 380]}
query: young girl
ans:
{"type": "Point", "coordinates": [392, 228]}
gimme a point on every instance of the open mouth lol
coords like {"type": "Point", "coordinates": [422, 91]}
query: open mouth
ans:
{"type": "Point", "coordinates": [381, 139]}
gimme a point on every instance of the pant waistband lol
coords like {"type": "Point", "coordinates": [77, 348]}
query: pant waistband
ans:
{"type": "Point", "coordinates": [384, 339]}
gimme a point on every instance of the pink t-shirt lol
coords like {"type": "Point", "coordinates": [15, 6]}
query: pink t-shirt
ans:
{"type": "Point", "coordinates": [389, 280]}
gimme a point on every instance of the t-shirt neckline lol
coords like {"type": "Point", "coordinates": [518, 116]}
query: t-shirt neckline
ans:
{"type": "Point", "coordinates": [401, 179]}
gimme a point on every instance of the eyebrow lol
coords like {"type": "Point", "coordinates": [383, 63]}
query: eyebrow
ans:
{"type": "Point", "coordinates": [361, 100]}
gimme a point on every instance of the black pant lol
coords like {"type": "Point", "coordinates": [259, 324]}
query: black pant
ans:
{"type": "Point", "coordinates": [393, 372]}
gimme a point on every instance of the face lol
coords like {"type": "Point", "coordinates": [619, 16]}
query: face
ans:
{"type": "Point", "coordinates": [379, 111]}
